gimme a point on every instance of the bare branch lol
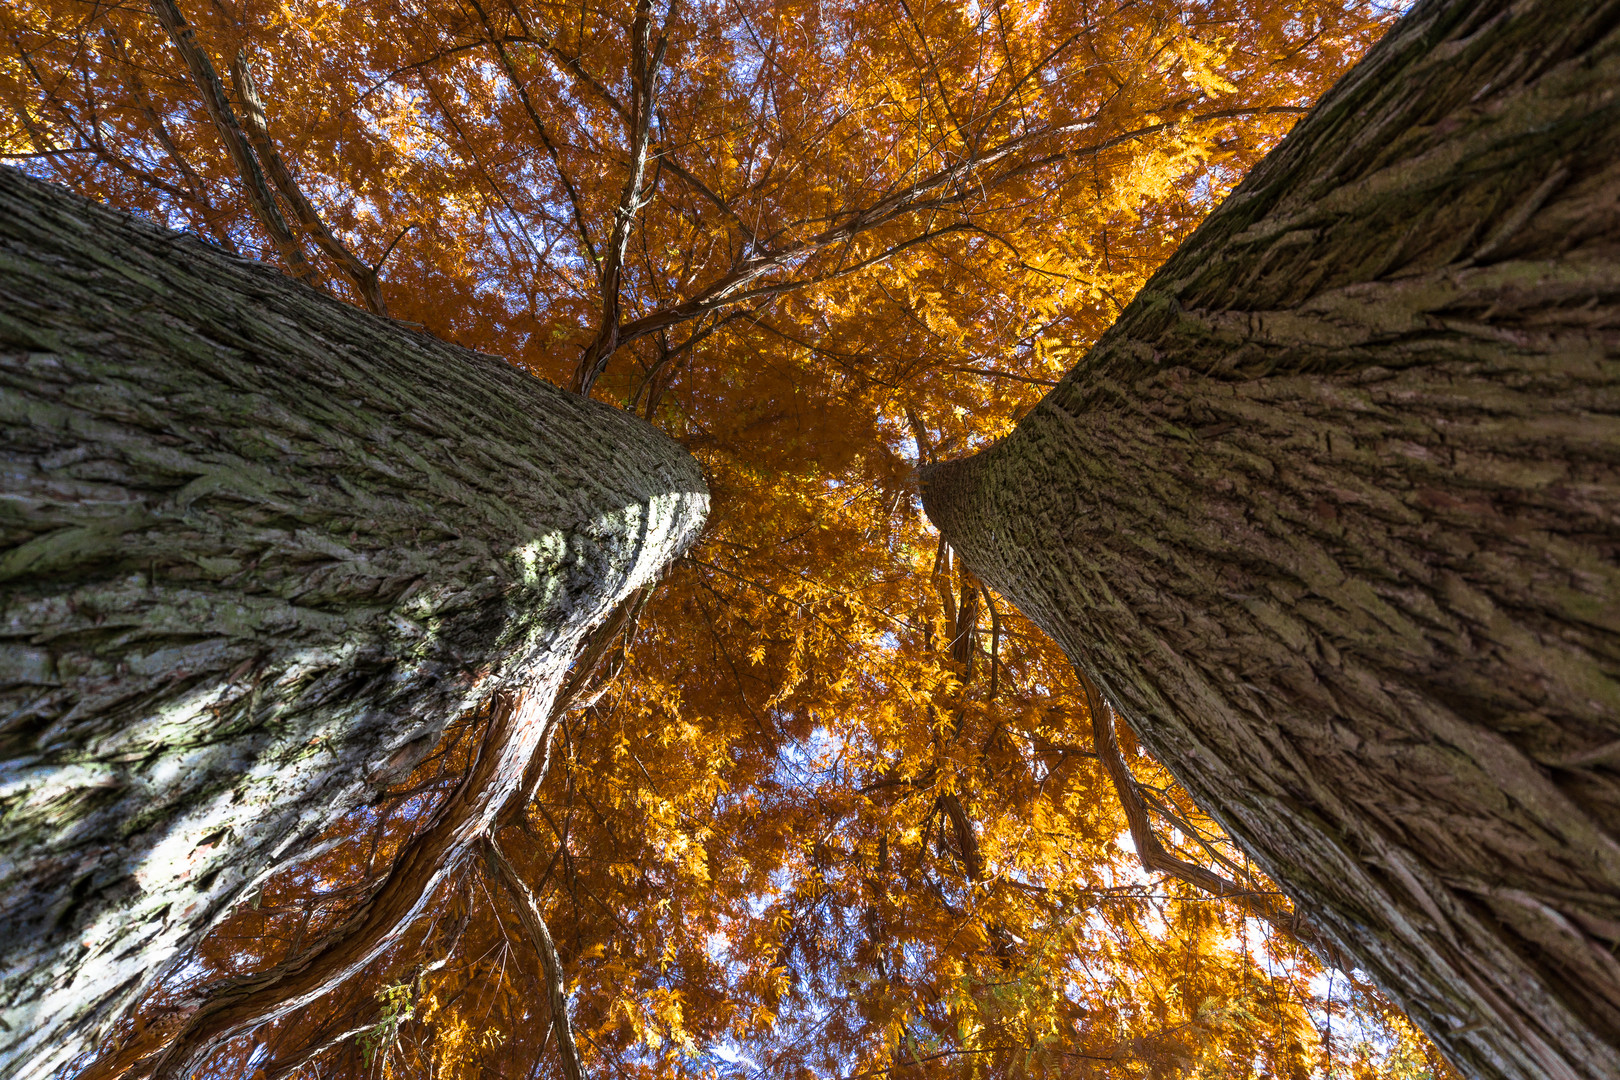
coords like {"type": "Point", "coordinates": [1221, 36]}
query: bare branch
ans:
{"type": "Point", "coordinates": [991, 373]}
{"type": "Point", "coordinates": [258, 132]}
{"type": "Point", "coordinates": [645, 60]}
{"type": "Point", "coordinates": [528, 906]}
{"type": "Point", "coordinates": [160, 131]}
{"type": "Point", "coordinates": [1254, 901]}
{"type": "Point", "coordinates": [938, 191]}
{"type": "Point", "coordinates": [541, 131]}
{"type": "Point", "coordinates": [230, 132]}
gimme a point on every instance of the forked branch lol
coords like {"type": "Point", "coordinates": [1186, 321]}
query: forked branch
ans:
{"type": "Point", "coordinates": [1156, 858]}
{"type": "Point", "coordinates": [257, 124]}
{"type": "Point", "coordinates": [230, 132]}
{"type": "Point", "coordinates": [646, 58]}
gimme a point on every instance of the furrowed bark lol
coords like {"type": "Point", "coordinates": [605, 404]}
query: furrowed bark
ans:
{"type": "Point", "coordinates": [427, 861]}
{"type": "Point", "coordinates": [1332, 515]}
{"type": "Point", "coordinates": [487, 799]}
{"type": "Point", "coordinates": [259, 549]}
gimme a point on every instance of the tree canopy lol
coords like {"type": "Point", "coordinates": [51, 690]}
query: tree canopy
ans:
{"type": "Point", "coordinates": [820, 804]}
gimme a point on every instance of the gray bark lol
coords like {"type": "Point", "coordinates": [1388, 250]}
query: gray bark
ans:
{"type": "Point", "coordinates": [259, 549]}
{"type": "Point", "coordinates": [1332, 514]}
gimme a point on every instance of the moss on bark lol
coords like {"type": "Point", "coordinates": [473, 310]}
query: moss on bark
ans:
{"type": "Point", "coordinates": [256, 550]}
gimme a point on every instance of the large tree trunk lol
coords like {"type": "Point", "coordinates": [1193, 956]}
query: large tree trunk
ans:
{"type": "Point", "coordinates": [259, 549]}
{"type": "Point", "coordinates": [1332, 514]}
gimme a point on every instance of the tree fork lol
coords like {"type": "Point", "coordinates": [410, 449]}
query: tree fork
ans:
{"type": "Point", "coordinates": [1330, 514]}
{"type": "Point", "coordinates": [218, 107]}
{"type": "Point", "coordinates": [1156, 858]}
{"type": "Point", "coordinates": [260, 548]}
{"type": "Point", "coordinates": [257, 126]}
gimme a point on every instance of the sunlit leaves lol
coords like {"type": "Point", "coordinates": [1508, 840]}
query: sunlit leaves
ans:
{"type": "Point", "coordinates": [794, 833]}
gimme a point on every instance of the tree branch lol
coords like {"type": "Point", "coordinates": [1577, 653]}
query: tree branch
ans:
{"type": "Point", "coordinates": [160, 131]}
{"type": "Point", "coordinates": [645, 60]}
{"type": "Point", "coordinates": [257, 126]}
{"type": "Point", "coordinates": [1155, 857]}
{"type": "Point", "coordinates": [230, 132]}
{"type": "Point", "coordinates": [540, 130]}
{"type": "Point", "coordinates": [967, 838]}
{"type": "Point", "coordinates": [528, 906]}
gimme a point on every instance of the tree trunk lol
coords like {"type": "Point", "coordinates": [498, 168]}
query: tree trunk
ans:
{"type": "Point", "coordinates": [1332, 515]}
{"type": "Point", "coordinates": [260, 548]}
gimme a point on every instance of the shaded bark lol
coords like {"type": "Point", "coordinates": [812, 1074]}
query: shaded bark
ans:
{"type": "Point", "coordinates": [1332, 515]}
{"type": "Point", "coordinates": [259, 549]}
{"type": "Point", "coordinates": [495, 790]}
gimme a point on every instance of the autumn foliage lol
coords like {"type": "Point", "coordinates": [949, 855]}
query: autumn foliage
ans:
{"type": "Point", "coordinates": [823, 807]}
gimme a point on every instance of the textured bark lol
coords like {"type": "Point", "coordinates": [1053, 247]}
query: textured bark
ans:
{"type": "Point", "coordinates": [1332, 515]}
{"type": "Point", "coordinates": [259, 548]}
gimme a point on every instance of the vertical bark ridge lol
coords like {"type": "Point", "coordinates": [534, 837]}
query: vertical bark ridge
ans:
{"type": "Point", "coordinates": [258, 549]}
{"type": "Point", "coordinates": [1332, 513]}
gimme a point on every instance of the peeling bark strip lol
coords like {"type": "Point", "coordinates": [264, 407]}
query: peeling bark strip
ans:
{"type": "Point", "coordinates": [259, 549]}
{"type": "Point", "coordinates": [1332, 514]}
